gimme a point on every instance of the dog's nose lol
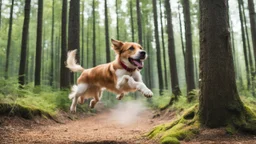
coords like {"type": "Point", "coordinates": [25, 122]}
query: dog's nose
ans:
{"type": "Point", "coordinates": [142, 53]}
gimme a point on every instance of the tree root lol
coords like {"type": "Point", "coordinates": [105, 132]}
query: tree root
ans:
{"type": "Point", "coordinates": [184, 128]}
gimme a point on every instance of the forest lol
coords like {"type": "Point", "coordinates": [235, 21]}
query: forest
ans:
{"type": "Point", "coordinates": [200, 67]}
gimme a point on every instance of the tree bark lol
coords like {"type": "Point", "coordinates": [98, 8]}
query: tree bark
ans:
{"type": "Point", "coordinates": [107, 33]}
{"type": "Point", "coordinates": [52, 47]}
{"type": "Point", "coordinates": [132, 25]}
{"type": "Point", "coordinates": [64, 72]}
{"type": "Point", "coordinates": [163, 45]}
{"type": "Point", "coordinates": [253, 26]}
{"type": "Point", "coordinates": [171, 49]}
{"type": "Point", "coordinates": [39, 43]}
{"type": "Point", "coordinates": [219, 99]}
{"type": "Point", "coordinates": [24, 41]}
{"type": "Point", "coordinates": [244, 45]}
{"type": "Point", "coordinates": [181, 35]}
{"type": "Point", "coordinates": [82, 51]}
{"type": "Point", "coordinates": [73, 30]}
{"type": "Point", "coordinates": [117, 21]}
{"type": "Point", "coordinates": [9, 42]}
{"type": "Point", "coordinates": [93, 35]}
{"type": "Point", "coordinates": [139, 21]}
{"type": "Point", "coordinates": [158, 51]}
{"type": "Point", "coordinates": [189, 49]}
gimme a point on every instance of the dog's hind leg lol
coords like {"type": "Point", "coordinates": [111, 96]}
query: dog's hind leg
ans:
{"type": "Point", "coordinates": [96, 98]}
{"type": "Point", "coordinates": [76, 92]}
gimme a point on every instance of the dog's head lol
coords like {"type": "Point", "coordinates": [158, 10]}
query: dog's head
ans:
{"type": "Point", "coordinates": [131, 54]}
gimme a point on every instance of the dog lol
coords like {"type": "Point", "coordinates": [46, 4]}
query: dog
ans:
{"type": "Point", "coordinates": [119, 76]}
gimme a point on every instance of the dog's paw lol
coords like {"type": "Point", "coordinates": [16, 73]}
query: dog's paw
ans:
{"type": "Point", "coordinates": [147, 93]}
{"type": "Point", "coordinates": [72, 109]}
{"type": "Point", "coordinates": [120, 96]}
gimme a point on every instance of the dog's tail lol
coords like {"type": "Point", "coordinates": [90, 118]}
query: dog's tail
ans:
{"type": "Point", "coordinates": [71, 62]}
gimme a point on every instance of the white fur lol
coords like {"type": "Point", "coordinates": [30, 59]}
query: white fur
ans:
{"type": "Point", "coordinates": [71, 62]}
{"type": "Point", "coordinates": [76, 92]}
{"type": "Point", "coordinates": [134, 81]}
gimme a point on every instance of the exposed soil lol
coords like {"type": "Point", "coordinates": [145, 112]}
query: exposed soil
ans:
{"type": "Point", "coordinates": [101, 128]}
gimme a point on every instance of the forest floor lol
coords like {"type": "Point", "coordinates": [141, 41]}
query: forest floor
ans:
{"type": "Point", "coordinates": [114, 126]}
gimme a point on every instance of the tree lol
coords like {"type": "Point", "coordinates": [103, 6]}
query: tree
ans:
{"type": "Point", "coordinates": [117, 21]}
{"type": "Point", "coordinates": [171, 49]}
{"type": "Point", "coordinates": [64, 72]}
{"type": "Point", "coordinates": [107, 33]}
{"type": "Point", "coordinates": [181, 33]}
{"type": "Point", "coordinates": [189, 63]}
{"type": "Point", "coordinates": [163, 45]}
{"type": "Point", "coordinates": [132, 25]}
{"type": "Point", "coordinates": [24, 41]}
{"type": "Point", "coordinates": [158, 51]}
{"type": "Point", "coordinates": [52, 47]}
{"type": "Point", "coordinates": [73, 30]}
{"type": "Point", "coordinates": [82, 51]}
{"type": "Point", "coordinates": [39, 43]}
{"type": "Point", "coordinates": [219, 102]}
{"type": "Point", "coordinates": [139, 21]}
{"type": "Point", "coordinates": [253, 25]}
{"type": "Point", "coordinates": [93, 34]}
{"type": "Point", "coordinates": [244, 45]}
{"type": "Point", "coordinates": [9, 41]}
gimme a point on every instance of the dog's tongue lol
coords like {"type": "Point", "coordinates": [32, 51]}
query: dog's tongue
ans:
{"type": "Point", "coordinates": [138, 64]}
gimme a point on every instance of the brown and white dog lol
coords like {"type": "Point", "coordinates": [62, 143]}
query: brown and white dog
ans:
{"type": "Point", "coordinates": [119, 76]}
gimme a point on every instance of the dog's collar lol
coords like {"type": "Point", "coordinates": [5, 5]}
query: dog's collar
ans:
{"type": "Point", "coordinates": [127, 68]}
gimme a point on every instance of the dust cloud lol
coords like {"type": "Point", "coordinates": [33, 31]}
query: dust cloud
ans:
{"type": "Point", "coordinates": [126, 113]}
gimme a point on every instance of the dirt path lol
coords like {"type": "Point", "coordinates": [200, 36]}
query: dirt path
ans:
{"type": "Point", "coordinates": [112, 126]}
{"type": "Point", "coordinates": [120, 126]}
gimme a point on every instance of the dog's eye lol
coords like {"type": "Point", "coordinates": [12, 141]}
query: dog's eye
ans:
{"type": "Point", "coordinates": [141, 48]}
{"type": "Point", "coordinates": [131, 48]}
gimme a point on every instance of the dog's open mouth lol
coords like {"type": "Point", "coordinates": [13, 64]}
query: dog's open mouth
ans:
{"type": "Point", "coordinates": [136, 62]}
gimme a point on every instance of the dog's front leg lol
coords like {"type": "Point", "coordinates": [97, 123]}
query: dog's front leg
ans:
{"type": "Point", "coordinates": [140, 86]}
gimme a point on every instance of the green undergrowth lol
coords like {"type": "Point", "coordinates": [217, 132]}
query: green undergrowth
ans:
{"type": "Point", "coordinates": [31, 101]}
{"type": "Point", "coordinates": [183, 128]}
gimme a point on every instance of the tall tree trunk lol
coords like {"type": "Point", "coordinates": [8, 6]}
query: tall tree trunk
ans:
{"type": "Point", "coordinates": [181, 35]}
{"type": "Point", "coordinates": [132, 25]}
{"type": "Point", "coordinates": [24, 41]}
{"type": "Point", "coordinates": [9, 42]}
{"type": "Point", "coordinates": [158, 51]}
{"type": "Point", "coordinates": [189, 49]}
{"type": "Point", "coordinates": [52, 47]}
{"type": "Point", "coordinates": [171, 49]}
{"type": "Point", "coordinates": [139, 21]}
{"type": "Point", "coordinates": [107, 33]}
{"type": "Point", "coordinates": [27, 64]}
{"type": "Point", "coordinates": [93, 35]}
{"type": "Point", "coordinates": [163, 46]}
{"type": "Point", "coordinates": [219, 99]}
{"type": "Point", "coordinates": [117, 21]}
{"type": "Point", "coordinates": [244, 45]}
{"type": "Point", "coordinates": [64, 72]}
{"type": "Point", "coordinates": [249, 50]}
{"type": "Point", "coordinates": [87, 43]}
{"type": "Point", "coordinates": [73, 30]}
{"type": "Point", "coordinates": [39, 43]}
{"type": "Point", "coordinates": [253, 26]}
{"type": "Point", "coordinates": [82, 51]}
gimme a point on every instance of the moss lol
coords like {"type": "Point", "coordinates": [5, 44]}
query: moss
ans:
{"type": "Point", "coordinates": [170, 140]}
{"type": "Point", "coordinates": [11, 109]}
{"type": "Point", "coordinates": [230, 129]}
{"type": "Point", "coordinates": [184, 128]}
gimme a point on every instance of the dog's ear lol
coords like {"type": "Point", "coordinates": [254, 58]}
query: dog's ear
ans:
{"type": "Point", "coordinates": [116, 44]}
